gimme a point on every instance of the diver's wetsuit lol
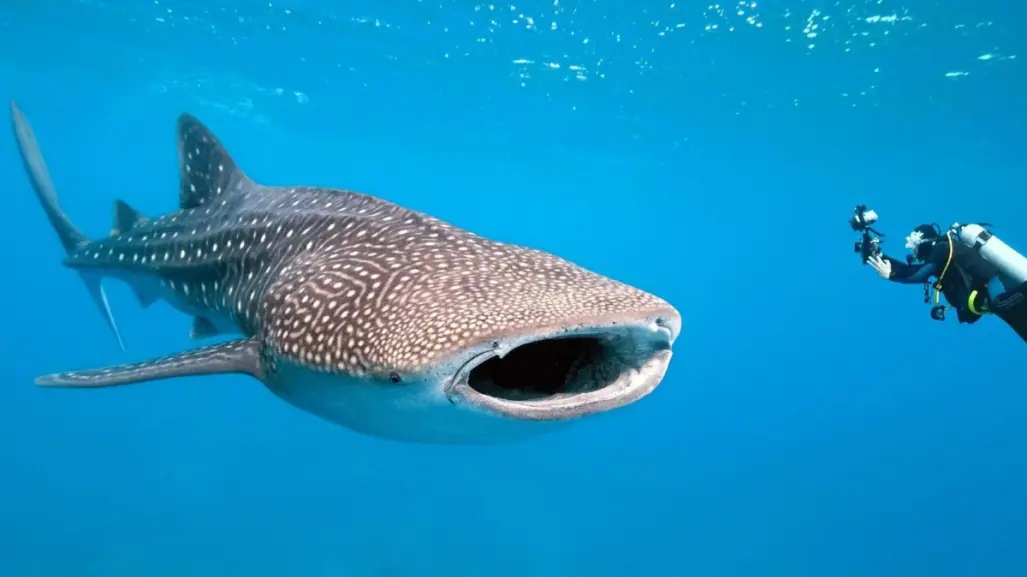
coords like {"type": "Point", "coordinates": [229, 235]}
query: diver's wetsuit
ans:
{"type": "Point", "coordinates": [911, 273]}
{"type": "Point", "coordinates": [967, 272]}
{"type": "Point", "coordinates": [958, 282]}
{"type": "Point", "coordinates": [1011, 307]}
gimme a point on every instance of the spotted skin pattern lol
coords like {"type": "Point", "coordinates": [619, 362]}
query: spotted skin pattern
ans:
{"type": "Point", "coordinates": [342, 281]}
{"type": "Point", "coordinates": [333, 281]}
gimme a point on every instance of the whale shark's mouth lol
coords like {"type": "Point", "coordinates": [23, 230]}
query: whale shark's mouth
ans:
{"type": "Point", "coordinates": [574, 374]}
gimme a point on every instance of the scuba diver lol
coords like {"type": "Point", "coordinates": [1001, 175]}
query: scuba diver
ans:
{"type": "Point", "coordinates": [976, 272]}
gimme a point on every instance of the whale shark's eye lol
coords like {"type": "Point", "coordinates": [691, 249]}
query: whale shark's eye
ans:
{"type": "Point", "coordinates": [394, 377]}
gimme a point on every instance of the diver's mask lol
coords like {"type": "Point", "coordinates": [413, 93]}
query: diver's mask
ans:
{"type": "Point", "coordinates": [920, 241]}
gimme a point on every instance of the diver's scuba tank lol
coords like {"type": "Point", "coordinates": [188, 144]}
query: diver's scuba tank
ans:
{"type": "Point", "coordinates": [991, 248]}
{"type": "Point", "coordinates": [1011, 305]}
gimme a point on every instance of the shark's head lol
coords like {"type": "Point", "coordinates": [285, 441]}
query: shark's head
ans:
{"type": "Point", "coordinates": [464, 341]}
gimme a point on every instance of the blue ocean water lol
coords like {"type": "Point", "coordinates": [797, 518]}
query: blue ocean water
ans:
{"type": "Point", "coordinates": [814, 420]}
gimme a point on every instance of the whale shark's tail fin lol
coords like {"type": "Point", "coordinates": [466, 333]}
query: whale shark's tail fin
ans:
{"type": "Point", "coordinates": [70, 236]}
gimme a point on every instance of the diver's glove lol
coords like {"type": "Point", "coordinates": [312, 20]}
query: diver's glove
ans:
{"type": "Point", "coordinates": [882, 266]}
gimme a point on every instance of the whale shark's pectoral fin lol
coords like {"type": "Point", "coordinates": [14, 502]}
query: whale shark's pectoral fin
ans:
{"type": "Point", "coordinates": [239, 356]}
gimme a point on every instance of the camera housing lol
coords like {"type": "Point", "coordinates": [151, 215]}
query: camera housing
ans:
{"type": "Point", "coordinates": [862, 218]}
{"type": "Point", "coordinates": [861, 221]}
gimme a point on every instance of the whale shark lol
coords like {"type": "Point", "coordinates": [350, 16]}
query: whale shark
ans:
{"type": "Point", "coordinates": [372, 316]}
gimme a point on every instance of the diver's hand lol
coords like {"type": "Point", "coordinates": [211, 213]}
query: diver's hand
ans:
{"type": "Point", "coordinates": [882, 266]}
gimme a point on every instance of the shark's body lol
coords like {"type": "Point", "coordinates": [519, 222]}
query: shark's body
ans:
{"type": "Point", "coordinates": [370, 315]}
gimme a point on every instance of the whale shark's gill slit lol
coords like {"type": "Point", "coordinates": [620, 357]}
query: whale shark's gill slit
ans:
{"type": "Point", "coordinates": [550, 368]}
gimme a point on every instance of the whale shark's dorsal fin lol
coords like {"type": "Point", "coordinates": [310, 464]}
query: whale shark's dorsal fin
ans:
{"type": "Point", "coordinates": [205, 168]}
{"type": "Point", "coordinates": [126, 218]}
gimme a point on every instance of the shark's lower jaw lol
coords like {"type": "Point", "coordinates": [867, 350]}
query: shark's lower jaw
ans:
{"type": "Point", "coordinates": [575, 374]}
{"type": "Point", "coordinates": [500, 391]}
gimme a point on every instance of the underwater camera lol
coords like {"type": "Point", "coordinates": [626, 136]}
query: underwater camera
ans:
{"type": "Point", "coordinates": [862, 221]}
{"type": "Point", "coordinates": [863, 218]}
